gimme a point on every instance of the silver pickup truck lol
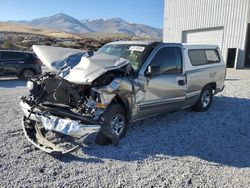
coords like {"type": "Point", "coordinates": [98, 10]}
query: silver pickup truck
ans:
{"type": "Point", "coordinates": [99, 93]}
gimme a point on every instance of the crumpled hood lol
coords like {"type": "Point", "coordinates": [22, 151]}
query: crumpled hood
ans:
{"type": "Point", "coordinates": [83, 69]}
{"type": "Point", "coordinates": [56, 57]}
{"type": "Point", "coordinates": [91, 68]}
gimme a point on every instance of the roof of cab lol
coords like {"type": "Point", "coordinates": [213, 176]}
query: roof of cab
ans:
{"type": "Point", "coordinates": [185, 45]}
{"type": "Point", "coordinates": [199, 46]}
{"type": "Point", "coordinates": [132, 42]}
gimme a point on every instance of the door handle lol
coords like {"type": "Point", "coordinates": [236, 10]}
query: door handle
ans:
{"type": "Point", "coordinates": [181, 82]}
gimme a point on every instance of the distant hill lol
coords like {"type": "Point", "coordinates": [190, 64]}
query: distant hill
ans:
{"type": "Point", "coordinates": [66, 23]}
{"type": "Point", "coordinates": [118, 25]}
{"type": "Point", "coordinates": [15, 28]}
{"type": "Point", "coordinates": [61, 22]}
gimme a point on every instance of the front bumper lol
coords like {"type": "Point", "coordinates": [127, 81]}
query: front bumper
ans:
{"type": "Point", "coordinates": [68, 127]}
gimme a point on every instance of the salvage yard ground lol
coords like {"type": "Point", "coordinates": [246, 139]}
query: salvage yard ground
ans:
{"type": "Point", "coordinates": [183, 149]}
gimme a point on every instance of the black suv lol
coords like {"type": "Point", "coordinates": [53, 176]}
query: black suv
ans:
{"type": "Point", "coordinates": [22, 64]}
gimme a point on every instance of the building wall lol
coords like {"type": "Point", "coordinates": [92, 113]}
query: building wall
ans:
{"type": "Point", "coordinates": [232, 15]}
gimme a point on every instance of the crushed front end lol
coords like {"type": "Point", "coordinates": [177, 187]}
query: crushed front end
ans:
{"type": "Point", "coordinates": [70, 110]}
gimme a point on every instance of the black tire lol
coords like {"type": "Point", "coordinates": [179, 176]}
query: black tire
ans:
{"type": "Point", "coordinates": [205, 100]}
{"type": "Point", "coordinates": [27, 73]}
{"type": "Point", "coordinates": [109, 134]}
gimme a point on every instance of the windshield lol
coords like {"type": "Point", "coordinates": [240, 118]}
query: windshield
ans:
{"type": "Point", "coordinates": [132, 52]}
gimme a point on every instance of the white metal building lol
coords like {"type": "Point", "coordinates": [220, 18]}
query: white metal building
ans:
{"type": "Point", "coordinates": [221, 22]}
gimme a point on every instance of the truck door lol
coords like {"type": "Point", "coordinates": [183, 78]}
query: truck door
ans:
{"type": "Point", "coordinates": [166, 83]}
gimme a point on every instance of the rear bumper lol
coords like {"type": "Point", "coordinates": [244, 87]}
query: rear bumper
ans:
{"type": "Point", "coordinates": [219, 90]}
{"type": "Point", "coordinates": [68, 127]}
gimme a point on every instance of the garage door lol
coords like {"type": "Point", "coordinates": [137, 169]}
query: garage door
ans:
{"type": "Point", "coordinates": [211, 36]}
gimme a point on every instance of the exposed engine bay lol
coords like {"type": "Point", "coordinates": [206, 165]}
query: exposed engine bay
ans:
{"type": "Point", "coordinates": [83, 95]}
{"type": "Point", "coordinates": [51, 89]}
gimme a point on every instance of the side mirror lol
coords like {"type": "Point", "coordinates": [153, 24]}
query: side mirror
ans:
{"type": "Point", "coordinates": [153, 70]}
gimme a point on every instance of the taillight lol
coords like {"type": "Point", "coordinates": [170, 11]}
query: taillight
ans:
{"type": "Point", "coordinates": [37, 61]}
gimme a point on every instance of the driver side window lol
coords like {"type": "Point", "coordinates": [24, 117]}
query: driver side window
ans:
{"type": "Point", "coordinates": [169, 59]}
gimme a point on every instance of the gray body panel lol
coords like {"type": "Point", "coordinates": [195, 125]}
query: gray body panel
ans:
{"type": "Point", "coordinates": [162, 95]}
{"type": "Point", "coordinates": [197, 79]}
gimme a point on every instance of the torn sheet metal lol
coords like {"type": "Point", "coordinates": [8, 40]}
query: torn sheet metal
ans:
{"type": "Point", "coordinates": [119, 86]}
{"type": "Point", "coordinates": [34, 135]}
{"type": "Point", "coordinates": [68, 126]}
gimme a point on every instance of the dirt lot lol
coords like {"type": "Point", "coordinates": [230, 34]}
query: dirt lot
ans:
{"type": "Point", "coordinates": [183, 149]}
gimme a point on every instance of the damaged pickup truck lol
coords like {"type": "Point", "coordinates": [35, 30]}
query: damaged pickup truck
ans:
{"type": "Point", "coordinates": [99, 93]}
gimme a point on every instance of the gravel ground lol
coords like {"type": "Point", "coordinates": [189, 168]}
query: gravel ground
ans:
{"type": "Point", "coordinates": [183, 149]}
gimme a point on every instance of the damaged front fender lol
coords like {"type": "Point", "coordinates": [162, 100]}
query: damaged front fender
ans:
{"type": "Point", "coordinates": [122, 90]}
{"type": "Point", "coordinates": [118, 87]}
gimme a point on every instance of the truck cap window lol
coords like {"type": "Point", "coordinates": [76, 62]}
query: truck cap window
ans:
{"type": "Point", "coordinates": [203, 56]}
{"type": "Point", "coordinates": [212, 56]}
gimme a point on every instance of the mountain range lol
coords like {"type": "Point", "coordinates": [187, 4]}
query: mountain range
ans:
{"type": "Point", "coordinates": [66, 23]}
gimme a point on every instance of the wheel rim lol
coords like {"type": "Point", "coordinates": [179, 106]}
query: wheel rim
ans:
{"type": "Point", "coordinates": [205, 98]}
{"type": "Point", "coordinates": [117, 124]}
{"type": "Point", "coordinates": [28, 74]}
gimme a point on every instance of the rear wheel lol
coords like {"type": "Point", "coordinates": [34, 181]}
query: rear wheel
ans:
{"type": "Point", "coordinates": [205, 100]}
{"type": "Point", "coordinates": [115, 125]}
{"type": "Point", "coordinates": [27, 73]}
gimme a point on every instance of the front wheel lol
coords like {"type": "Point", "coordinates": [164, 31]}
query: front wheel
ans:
{"type": "Point", "coordinates": [115, 125]}
{"type": "Point", "coordinates": [205, 100]}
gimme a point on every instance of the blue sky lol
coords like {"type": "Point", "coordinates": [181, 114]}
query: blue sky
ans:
{"type": "Point", "coordinates": [148, 12]}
